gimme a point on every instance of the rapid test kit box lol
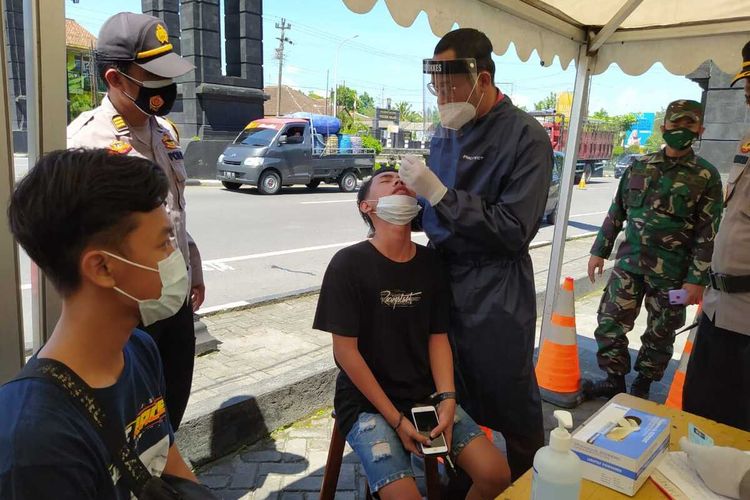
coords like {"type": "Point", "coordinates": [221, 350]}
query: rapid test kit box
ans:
{"type": "Point", "coordinates": [621, 446]}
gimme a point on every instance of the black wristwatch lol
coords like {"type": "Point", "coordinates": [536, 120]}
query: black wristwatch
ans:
{"type": "Point", "coordinates": [442, 396]}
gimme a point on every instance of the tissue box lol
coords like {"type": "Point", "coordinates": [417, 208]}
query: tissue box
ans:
{"type": "Point", "coordinates": [621, 446]}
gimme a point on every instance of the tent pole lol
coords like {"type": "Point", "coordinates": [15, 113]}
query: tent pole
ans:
{"type": "Point", "coordinates": [584, 68]}
{"type": "Point", "coordinates": [47, 116]}
{"type": "Point", "coordinates": [614, 23]}
{"type": "Point", "coordinates": [11, 334]}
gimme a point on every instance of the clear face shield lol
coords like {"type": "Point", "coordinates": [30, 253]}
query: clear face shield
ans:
{"type": "Point", "coordinates": [451, 84]}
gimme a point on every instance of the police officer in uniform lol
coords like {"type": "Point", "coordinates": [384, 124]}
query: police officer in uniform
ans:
{"type": "Point", "coordinates": [137, 63]}
{"type": "Point", "coordinates": [671, 201]}
{"type": "Point", "coordinates": [484, 194]}
{"type": "Point", "coordinates": [717, 384]}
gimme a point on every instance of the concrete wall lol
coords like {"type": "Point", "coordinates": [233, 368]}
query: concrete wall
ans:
{"type": "Point", "coordinates": [201, 156]}
{"type": "Point", "coordinates": [16, 71]}
{"type": "Point", "coordinates": [727, 115]}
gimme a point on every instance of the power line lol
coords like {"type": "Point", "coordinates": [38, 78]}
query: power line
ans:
{"type": "Point", "coordinates": [371, 50]}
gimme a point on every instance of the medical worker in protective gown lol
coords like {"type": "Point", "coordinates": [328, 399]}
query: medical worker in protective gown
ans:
{"type": "Point", "coordinates": [484, 193]}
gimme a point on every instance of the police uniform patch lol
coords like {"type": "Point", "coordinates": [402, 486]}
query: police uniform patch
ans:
{"type": "Point", "coordinates": [161, 34]}
{"type": "Point", "coordinates": [166, 139]}
{"type": "Point", "coordinates": [120, 147]}
{"type": "Point", "coordinates": [155, 103]}
{"type": "Point", "coordinates": [745, 148]}
{"type": "Point", "coordinates": [119, 123]}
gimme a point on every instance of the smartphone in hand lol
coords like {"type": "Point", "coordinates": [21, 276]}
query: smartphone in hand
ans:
{"type": "Point", "coordinates": [677, 297]}
{"type": "Point", "coordinates": [425, 420]}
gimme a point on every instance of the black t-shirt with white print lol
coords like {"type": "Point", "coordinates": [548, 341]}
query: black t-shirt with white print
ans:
{"type": "Point", "coordinates": [392, 308]}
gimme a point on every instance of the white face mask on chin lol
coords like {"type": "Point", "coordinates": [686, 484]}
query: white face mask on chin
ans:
{"type": "Point", "coordinates": [454, 115]}
{"type": "Point", "coordinates": [397, 209]}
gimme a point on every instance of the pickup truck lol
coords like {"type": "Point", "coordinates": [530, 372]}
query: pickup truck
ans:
{"type": "Point", "coordinates": [274, 152]}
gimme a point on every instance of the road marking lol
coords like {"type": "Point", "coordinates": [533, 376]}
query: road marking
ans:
{"type": "Point", "coordinates": [328, 201]}
{"type": "Point", "coordinates": [589, 213]}
{"type": "Point", "coordinates": [277, 253]}
{"type": "Point", "coordinates": [216, 266]}
{"type": "Point", "coordinates": [221, 307]}
{"type": "Point", "coordinates": [213, 263]}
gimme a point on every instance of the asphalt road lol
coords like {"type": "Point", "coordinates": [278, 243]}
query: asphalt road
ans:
{"type": "Point", "coordinates": [254, 246]}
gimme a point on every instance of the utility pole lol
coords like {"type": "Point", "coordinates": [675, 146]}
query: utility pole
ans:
{"type": "Point", "coordinates": [280, 56]}
{"type": "Point", "coordinates": [326, 112]}
{"type": "Point", "coordinates": [335, 73]}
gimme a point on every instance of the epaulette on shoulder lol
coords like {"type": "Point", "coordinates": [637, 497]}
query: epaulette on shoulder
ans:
{"type": "Point", "coordinates": [119, 123]}
{"type": "Point", "coordinates": [172, 125]}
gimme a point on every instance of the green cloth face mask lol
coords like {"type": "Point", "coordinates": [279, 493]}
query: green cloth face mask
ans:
{"type": "Point", "coordinates": [679, 138]}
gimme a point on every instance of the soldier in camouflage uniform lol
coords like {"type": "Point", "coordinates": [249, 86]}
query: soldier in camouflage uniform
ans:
{"type": "Point", "coordinates": [672, 202]}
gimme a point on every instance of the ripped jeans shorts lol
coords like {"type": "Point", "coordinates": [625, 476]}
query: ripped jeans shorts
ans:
{"type": "Point", "coordinates": [385, 459]}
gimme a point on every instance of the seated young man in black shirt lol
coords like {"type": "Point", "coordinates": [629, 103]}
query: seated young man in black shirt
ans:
{"type": "Point", "coordinates": [96, 224]}
{"type": "Point", "coordinates": [386, 301]}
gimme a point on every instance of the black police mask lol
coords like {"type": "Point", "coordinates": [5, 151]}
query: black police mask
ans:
{"type": "Point", "coordinates": [155, 97]}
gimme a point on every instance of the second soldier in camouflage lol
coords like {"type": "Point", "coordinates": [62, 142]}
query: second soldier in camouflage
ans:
{"type": "Point", "coordinates": [670, 203]}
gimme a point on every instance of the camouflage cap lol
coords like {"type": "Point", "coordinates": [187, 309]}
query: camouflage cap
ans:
{"type": "Point", "coordinates": [142, 39]}
{"type": "Point", "coordinates": [684, 107]}
{"type": "Point", "coordinates": [745, 69]}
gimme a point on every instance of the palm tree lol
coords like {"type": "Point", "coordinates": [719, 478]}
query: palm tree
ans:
{"type": "Point", "coordinates": [406, 113]}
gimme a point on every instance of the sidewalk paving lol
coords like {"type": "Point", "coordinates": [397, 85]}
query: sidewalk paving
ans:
{"type": "Point", "coordinates": [275, 370]}
{"type": "Point", "coordinates": [289, 464]}
{"type": "Point", "coordinates": [262, 343]}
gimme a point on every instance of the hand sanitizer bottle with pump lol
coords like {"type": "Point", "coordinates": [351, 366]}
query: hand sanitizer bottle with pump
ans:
{"type": "Point", "coordinates": [557, 470]}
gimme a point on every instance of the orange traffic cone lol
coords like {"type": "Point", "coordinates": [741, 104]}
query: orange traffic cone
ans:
{"type": "Point", "coordinates": [557, 370]}
{"type": "Point", "coordinates": [674, 399]}
{"type": "Point", "coordinates": [487, 432]}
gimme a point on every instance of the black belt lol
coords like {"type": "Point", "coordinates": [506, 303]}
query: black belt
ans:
{"type": "Point", "coordinates": [729, 284]}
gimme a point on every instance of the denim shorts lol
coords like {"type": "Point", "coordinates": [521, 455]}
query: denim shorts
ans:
{"type": "Point", "coordinates": [385, 459]}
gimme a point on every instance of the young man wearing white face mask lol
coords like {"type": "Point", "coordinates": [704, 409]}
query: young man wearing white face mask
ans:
{"type": "Point", "coordinates": [484, 193]}
{"type": "Point", "coordinates": [138, 65]}
{"type": "Point", "coordinates": [386, 302]}
{"type": "Point", "coordinates": [109, 252]}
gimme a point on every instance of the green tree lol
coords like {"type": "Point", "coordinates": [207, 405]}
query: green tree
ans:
{"type": "Point", "coordinates": [655, 140]}
{"type": "Point", "coordinates": [601, 115]}
{"type": "Point", "coordinates": [618, 151]}
{"type": "Point", "coordinates": [370, 142]}
{"type": "Point", "coordinates": [353, 127]}
{"type": "Point", "coordinates": [621, 123]}
{"type": "Point", "coordinates": [79, 103]}
{"type": "Point", "coordinates": [314, 95]}
{"type": "Point", "coordinates": [406, 112]}
{"type": "Point", "coordinates": [366, 105]}
{"type": "Point", "coordinates": [624, 122]}
{"type": "Point", "coordinates": [433, 116]}
{"type": "Point", "coordinates": [346, 99]}
{"type": "Point", "coordinates": [549, 102]}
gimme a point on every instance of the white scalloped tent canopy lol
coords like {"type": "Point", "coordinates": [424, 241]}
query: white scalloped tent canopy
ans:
{"type": "Point", "coordinates": [681, 34]}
